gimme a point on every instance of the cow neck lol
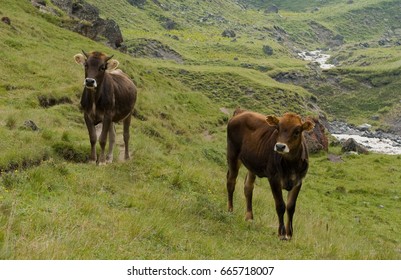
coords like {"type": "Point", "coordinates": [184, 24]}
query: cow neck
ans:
{"type": "Point", "coordinates": [292, 161]}
{"type": "Point", "coordinates": [267, 140]}
{"type": "Point", "coordinates": [97, 93]}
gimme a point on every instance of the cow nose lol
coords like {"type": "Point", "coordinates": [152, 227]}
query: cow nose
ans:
{"type": "Point", "coordinates": [280, 147]}
{"type": "Point", "coordinates": [91, 83]}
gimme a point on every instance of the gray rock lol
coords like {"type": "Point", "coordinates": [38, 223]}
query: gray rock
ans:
{"type": "Point", "coordinates": [364, 127]}
{"type": "Point", "coordinates": [228, 33]}
{"type": "Point", "coordinates": [29, 124]}
{"type": "Point", "coordinates": [89, 22]}
{"type": "Point", "coordinates": [267, 50]}
{"type": "Point", "coordinates": [352, 146]}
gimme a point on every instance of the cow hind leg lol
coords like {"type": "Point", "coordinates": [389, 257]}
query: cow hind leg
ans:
{"type": "Point", "coordinates": [127, 123]}
{"type": "Point", "coordinates": [112, 141]}
{"type": "Point", "coordinates": [232, 174]}
{"type": "Point", "coordinates": [248, 191]}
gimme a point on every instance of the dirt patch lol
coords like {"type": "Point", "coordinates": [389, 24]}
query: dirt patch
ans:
{"type": "Point", "coordinates": [71, 153]}
{"type": "Point", "coordinates": [225, 111]}
{"type": "Point", "coordinates": [23, 164]}
{"type": "Point", "coordinates": [46, 101]}
{"type": "Point", "coordinates": [153, 49]}
{"type": "Point", "coordinates": [326, 35]}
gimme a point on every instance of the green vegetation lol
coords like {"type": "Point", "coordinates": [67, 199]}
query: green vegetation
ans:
{"type": "Point", "coordinates": [169, 200]}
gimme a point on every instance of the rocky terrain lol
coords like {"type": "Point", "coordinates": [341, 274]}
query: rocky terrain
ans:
{"type": "Point", "coordinates": [376, 141]}
{"type": "Point", "coordinates": [85, 20]}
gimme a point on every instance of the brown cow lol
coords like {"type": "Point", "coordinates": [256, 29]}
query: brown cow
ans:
{"type": "Point", "coordinates": [269, 147]}
{"type": "Point", "coordinates": [109, 96]}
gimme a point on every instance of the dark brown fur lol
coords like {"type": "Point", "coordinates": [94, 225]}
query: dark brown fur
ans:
{"type": "Point", "coordinates": [108, 97]}
{"type": "Point", "coordinates": [251, 140]}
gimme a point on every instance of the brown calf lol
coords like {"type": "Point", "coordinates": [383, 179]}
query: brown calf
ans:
{"type": "Point", "coordinates": [109, 96]}
{"type": "Point", "coordinates": [269, 147]}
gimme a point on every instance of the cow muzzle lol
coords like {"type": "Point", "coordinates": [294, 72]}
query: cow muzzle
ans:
{"type": "Point", "coordinates": [281, 148]}
{"type": "Point", "coordinates": [90, 83]}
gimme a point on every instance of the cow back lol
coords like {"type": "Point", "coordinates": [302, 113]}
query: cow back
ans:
{"type": "Point", "coordinates": [249, 136]}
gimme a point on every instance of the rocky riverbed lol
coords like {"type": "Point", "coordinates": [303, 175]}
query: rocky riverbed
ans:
{"type": "Point", "coordinates": [318, 57]}
{"type": "Point", "coordinates": [375, 141]}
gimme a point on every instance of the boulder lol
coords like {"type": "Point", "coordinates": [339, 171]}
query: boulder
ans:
{"type": "Point", "coordinates": [267, 50]}
{"type": "Point", "coordinates": [89, 22]}
{"type": "Point", "coordinates": [30, 125]}
{"type": "Point", "coordinates": [228, 33]}
{"type": "Point", "coordinates": [316, 139]}
{"type": "Point", "coordinates": [352, 146]}
{"type": "Point", "coordinates": [364, 127]}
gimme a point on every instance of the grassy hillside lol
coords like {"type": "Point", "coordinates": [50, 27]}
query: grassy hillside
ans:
{"type": "Point", "coordinates": [362, 37]}
{"type": "Point", "coordinates": [169, 200]}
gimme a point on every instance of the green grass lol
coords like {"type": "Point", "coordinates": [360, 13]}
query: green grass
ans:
{"type": "Point", "coordinates": [169, 200]}
{"type": "Point", "coordinates": [175, 210]}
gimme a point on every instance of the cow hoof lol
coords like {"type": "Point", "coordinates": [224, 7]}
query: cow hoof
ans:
{"type": "Point", "coordinates": [92, 162]}
{"type": "Point", "coordinates": [285, 237]}
{"type": "Point", "coordinates": [249, 216]}
{"type": "Point", "coordinates": [102, 163]}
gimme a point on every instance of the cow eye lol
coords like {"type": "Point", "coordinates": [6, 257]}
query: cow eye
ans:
{"type": "Point", "coordinates": [103, 67]}
{"type": "Point", "coordinates": [297, 133]}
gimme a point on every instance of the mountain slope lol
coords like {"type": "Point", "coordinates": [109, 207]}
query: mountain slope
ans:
{"type": "Point", "coordinates": [362, 38]}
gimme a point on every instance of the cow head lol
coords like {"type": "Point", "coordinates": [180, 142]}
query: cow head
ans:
{"type": "Point", "coordinates": [95, 64]}
{"type": "Point", "coordinates": [290, 128]}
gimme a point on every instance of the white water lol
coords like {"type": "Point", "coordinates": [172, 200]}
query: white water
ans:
{"type": "Point", "coordinates": [376, 145]}
{"type": "Point", "coordinates": [317, 56]}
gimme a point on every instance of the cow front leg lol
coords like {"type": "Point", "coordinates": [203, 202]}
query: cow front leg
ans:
{"type": "Point", "coordinates": [112, 141]}
{"type": "Point", "coordinates": [291, 202]}
{"type": "Point", "coordinates": [103, 139]}
{"type": "Point", "coordinates": [92, 137]}
{"type": "Point", "coordinates": [126, 124]}
{"type": "Point", "coordinates": [280, 207]}
{"type": "Point", "coordinates": [248, 191]}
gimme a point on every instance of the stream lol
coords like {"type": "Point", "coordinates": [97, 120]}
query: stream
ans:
{"type": "Point", "coordinates": [318, 57]}
{"type": "Point", "coordinates": [377, 141]}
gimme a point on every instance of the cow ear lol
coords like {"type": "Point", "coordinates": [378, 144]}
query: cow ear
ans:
{"type": "Point", "coordinates": [79, 58]}
{"type": "Point", "coordinates": [308, 126]}
{"type": "Point", "coordinates": [272, 120]}
{"type": "Point", "coordinates": [112, 64]}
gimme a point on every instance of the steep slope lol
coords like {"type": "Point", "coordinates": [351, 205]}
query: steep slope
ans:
{"type": "Point", "coordinates": [362, 38]}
